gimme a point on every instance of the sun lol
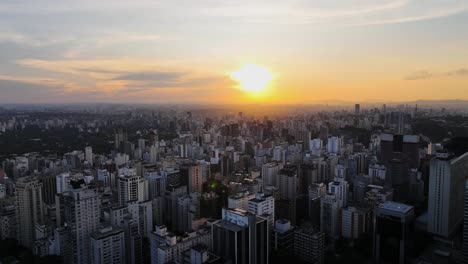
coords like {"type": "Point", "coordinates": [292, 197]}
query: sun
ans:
{"type": "Point", "coordinates": [252, 78]}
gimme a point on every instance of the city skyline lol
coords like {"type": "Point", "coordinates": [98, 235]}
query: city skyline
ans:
{"type": "Point", "coordinates": [177, 52]}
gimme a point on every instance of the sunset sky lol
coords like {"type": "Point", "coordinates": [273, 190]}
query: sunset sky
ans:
{"type": "Point", "coordinates": [185, 51]}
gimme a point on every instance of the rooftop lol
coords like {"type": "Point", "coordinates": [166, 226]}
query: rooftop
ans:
{"type": "Point", "coordinates": [396, 207]}
{"type": "Point", "coordinates": [106, 232]}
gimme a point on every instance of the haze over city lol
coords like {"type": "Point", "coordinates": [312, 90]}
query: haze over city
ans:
{"type": "Point", "coordinates": [185, 52]}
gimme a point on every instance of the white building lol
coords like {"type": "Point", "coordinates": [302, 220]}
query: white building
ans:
{"type": "Point", "coordinates": [446, 191]}
{"type": "Point", "coordinates": [263, 205]}
{"type": "Point", "coordinates": [89, 155]}
{"type": "Point", "coordinates": [62, 182]}
{"type": "Point", "coordinates": [335, 145]}
{"type": "Point", "coordinates": [315, 146]}
{"type": "Point", "coordinates": [132, 188]}
{"type": "Point", "coordinates": [340, 190]}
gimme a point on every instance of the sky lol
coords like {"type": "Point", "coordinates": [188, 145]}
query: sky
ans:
{"type": "Point", "coordinates": [184, 51]}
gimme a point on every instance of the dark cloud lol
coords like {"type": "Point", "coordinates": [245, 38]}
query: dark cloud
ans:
{"type": "Point", "coordinates": [18, 91]}
{"type": "Point", "coordinates": [165, 79]}
{"type": "Point", "coordinates": [419, 75]}
{"type": "Point", "coordinates": [161, 76]}
{"type": "Point", "coordinates": [42, 91]}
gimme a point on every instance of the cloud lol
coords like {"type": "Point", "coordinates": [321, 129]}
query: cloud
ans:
{"type": "Point", "coordinates": [152, 76]}
{"type": "Point", "coordinates": [350, 12]}
{"type": "Point", "coordinates": [162, 79]}
{"type": "Point", "coordinates": [419, 75]}
{"type": "Point", "coordinates": [423, 74]}
{"type": "Point", "coordinates": [458, 72]}
{"type": "Point", "coordinates": [40, 91]}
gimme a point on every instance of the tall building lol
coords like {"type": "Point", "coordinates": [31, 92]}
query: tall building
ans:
{"type": "Point", "coordinates": [330, 216]}
{"type": "Point", "coordinates": [133, 242]}
{"type": "Point", "coordinates": [309, 245]}
{"type": "Point", "coordinates": [340, 190]}
{"type": "Point", "coordinates": [324, 134]}
{"type": "Point", "coordinates": [283, 236]}
{"type": "Point", "coordinates": [62, 181]}
{"type": "Point", "coordinates": [171, 200]}
{"type": "Point", "coordinates": [270, 173]}
{"type": "Point", "coordinates": [355, 221]}
{"type": "Point", "coordinates": [407, 145]}
{"type": "Point", "coordinates": [89, 155]}
{"type": "Point", "coordinates": [185, 213]}
{"type": "Point", "coordinates": [290, 194]}
{"type": "Point", "coordinates": [241, 237]}
{"type": "Point", "coordinates": [29, 209]}
{"type": "Point", "coordinates": [289, 185]}
{"type": "Point", "coordinates": [315, 193]}
{"type": "Point", "coordinates": [335, 145]}
{"type": "Point", "coordinates": [357, 109]}
{"type": "Point", "coordinates": [120, 137]}
{"type": "Point", "coordinates": [195, 180]}
{"type": "Point", "coordinates": [108, 246]}
{"type": "Point", "coordinates": [377, 173]}
{"type": "Point", "coordinates": [82, 217]}
{"type": "Point", "coordinates": [49, 188]}
{"type": "Point", "coordinates": [392, 232]}
{"type": "Point", "coordinates": [131, 188]}
{"type": "Point", "coordinates": [465, 225]}
{"type": "Point", "coordinates": [446, 180]}
{"type": "Point", "coordinates": [8, 222]}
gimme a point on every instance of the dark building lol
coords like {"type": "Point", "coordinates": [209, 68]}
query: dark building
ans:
{"type": "Point", "coordinates": [393, 228]}
{"type": "Point", "coordinates": [282, 239]}
{"type": "Point", "coordinates": [398, 176]}
{"type": "Point", "coordinates": [407, 145]}
{"type": "Point", "coordinates": [49, 188]}
{"type": "Point", "coordinates": [241, 237]}
{"type": "Point", "coordinates": [309, 245]}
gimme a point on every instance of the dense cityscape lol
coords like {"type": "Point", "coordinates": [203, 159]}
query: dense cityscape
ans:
{"type": "Point", "coordinates": [199, 184]}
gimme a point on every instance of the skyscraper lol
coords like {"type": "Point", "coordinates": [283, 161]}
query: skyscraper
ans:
{"type": "Point", "coordinates": [195, 178]}
{"type": "Point", "coordinates": [309, 245]}
{"type": "Point", "coordinates": [392, 232]}
{"type": "Point", "coordinates": [89, 155]}
{"type": "Point", "coordinates": [446, 180]}
{"type": "Point", "coordinates": [357, 109]}
{"type": "Point", "coordinates": [340, 190]}
{"type": "Point", "coordinates": [241, 237]}
{"type": "Point", "coordinates": [330, 216]}
{"type": "Point", "coordinates": [82, 214]}
{"type": "Point", "coordinates": [131, 188]}
{"type": "Point", "coordinates": [29, 209]}
{"type": "Point", "coordinates": [465, 225]}
{"type": "Point", "coordinates": [270, 173]}
{"type": "Point", "coordinates": [108, 246]}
